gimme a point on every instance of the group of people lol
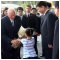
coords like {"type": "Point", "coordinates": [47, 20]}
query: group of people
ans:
{"type": "Point", "coordinates": [45, 23]}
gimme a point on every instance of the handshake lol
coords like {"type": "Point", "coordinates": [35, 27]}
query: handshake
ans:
{"type": "Point", "coordinates": [15, 43]}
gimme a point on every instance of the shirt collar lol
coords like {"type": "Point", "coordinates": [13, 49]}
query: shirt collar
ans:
{"type": "Point", "coordinates": [11, 20]}
{"type": "Point", "coordinates": [27, 14]}
{"type": "Point", "coordinates": [46, 11]}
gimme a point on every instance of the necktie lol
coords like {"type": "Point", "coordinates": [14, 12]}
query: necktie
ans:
{"type": "Point", "coordinates": [12, 23]}
{"type": "Point", "coordinates": [28, 15]}
{"type": "Point", "coordinates": [21, 17]}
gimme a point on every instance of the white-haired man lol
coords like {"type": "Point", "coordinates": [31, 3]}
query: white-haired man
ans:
{"type": "Point", "coordinates": [10, 25]}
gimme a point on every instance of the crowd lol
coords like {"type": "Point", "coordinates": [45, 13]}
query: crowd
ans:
{"type": "Point", "coordinates": [44, 23]}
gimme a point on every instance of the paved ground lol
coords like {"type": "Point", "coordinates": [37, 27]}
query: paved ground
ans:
{"type": "Point", "coordinates": [39, 46]}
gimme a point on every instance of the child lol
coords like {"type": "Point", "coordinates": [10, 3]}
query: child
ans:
{"type": "Point", "coordinates": [28, 45]}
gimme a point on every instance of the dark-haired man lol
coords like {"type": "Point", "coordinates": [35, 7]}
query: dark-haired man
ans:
{"type": "Point", "coordinates": [47, 29]}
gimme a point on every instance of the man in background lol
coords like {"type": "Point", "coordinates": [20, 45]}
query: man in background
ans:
{"type": "Point", "coordinates": [55, 54]}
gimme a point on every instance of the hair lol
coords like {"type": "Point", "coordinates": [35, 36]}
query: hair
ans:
{"type": "Point", "coordinates": [5, 9]}
{"type": "Point", "coordinates": [29, 31]}
{"type": "Point", "coordinates": [49, 4]}
{"type": "Point", "coordinates": [56, 3]}
{"type": "Point", "coordinates": [34, 9]}
{"type": "Point", "coordinates": [19, 8]}
{"type": "Point", "coordinates": [42, 3]}
{"type": "Point", "coordinates": [28, 6]}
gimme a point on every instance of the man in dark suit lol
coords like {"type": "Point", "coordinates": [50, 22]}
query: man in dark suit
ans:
{"type": "Point", "coordinates": [47, 29]}
{"type": "Point", "coordinates": [10, 25]}
{"type": "Point", "coordinates": [22, 17]}
{"type": "Point", "coordinates": [55, 54]}
{"type": "Point", "coordinates": [29, 18]}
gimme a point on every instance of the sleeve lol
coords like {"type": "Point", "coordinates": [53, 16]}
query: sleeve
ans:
{"type": "Point", "coordinates": [55, 53]}
{"type": "Point", "coordinates": [5, 40]}
{"type": "Point", "coordinates": [38, 24]}
{"type": "Point", "coordinates": [22, 41]}
{"type": "Point", "coordinates": [50, 27]}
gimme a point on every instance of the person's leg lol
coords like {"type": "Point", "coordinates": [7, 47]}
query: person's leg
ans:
{"type": "Point", "coordinates": [48, 53]}
{"type": "Point", "coordinates": [35, 46]}
{"type": "Point", "coordinates": [43, 52]}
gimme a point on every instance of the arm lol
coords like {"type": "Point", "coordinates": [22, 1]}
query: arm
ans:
{"type": "Point", "coordinates": [5, 40]}
{"type": "Point", "coordinates": [50, 26]}
{"type": "Point", "coordinates": [16, 43]}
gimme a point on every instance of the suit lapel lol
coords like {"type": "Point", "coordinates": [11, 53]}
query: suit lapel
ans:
{"type": "Point", "coordinates": [8, 25]}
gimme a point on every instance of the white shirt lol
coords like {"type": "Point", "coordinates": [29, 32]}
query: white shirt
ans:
{"type": "Point", "coordinates": [28, 14]}
{"type": "Point", "coordinates": [28, 48]}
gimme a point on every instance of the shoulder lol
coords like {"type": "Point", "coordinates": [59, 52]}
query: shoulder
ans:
{"type": "Point", "coordinates": [4, 19]}
{"type": "Point", "coordinates": [32, 15]}
{"type": "Point", "coordinates": [23, 40]}
{"type": "Point", "coordinates": [57, 22]}
{"type": "Point", "coordinates": [24, 16]}
{"type": "Point", "coordinates": [50, 14]}
{"type": "Point", "coordinates": [17, 17]}
{"type": "Point", "coordinates": [32, 38]}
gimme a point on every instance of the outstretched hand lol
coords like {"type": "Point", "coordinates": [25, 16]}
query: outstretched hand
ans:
{"type": "Point", "coordinates": [15, 43]}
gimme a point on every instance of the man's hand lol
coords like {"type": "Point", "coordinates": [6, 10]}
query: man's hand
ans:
{"type": "Point", "coordinates": [50, 46]}
{"type": "Point", "coordinates": [15, 43]}
{"type": "Point", "coordinates": [35, 33]}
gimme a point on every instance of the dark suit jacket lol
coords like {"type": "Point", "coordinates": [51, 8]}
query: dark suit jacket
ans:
{"type": "Point", "coordinates": [56, 41]}
{"type": "Point", "coordinates": [38, 24]}
{"type": "Point", "coordinates": [47, 28]}
{"type": "Point", "coordinates": [29, 21]}
{"type": "Point", "coordinates": [32, 22]}
{"type": "Point", "coordinates": [8, 32]}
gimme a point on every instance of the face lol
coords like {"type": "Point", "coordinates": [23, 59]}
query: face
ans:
{"type": "Point", "coordinates": [34, 11]}
{"type": "Point", "coordinates": [1, 12]}
{"type": "Point", "coordinates": [57, 12]}
{"type": "Point", "coordinates": [28, 9]}
{"type": "Point", "coordinates": [20, 12]}
{"type": "Point", "coordinates": [11, 15]}
{"type": "Point", "coordinates": [41, 9]}
{"type": "Point", "coordinates": [5, 12]}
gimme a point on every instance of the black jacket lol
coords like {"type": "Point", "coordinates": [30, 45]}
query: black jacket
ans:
{"type": "Point", "coordinates": [47, 28]}
{"type": "Point", "coordinates": [29, 21]}
{"type": "Point", "coordinates": [8, 32]}
{"type": "Point", "coordinates": [56, 41]}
